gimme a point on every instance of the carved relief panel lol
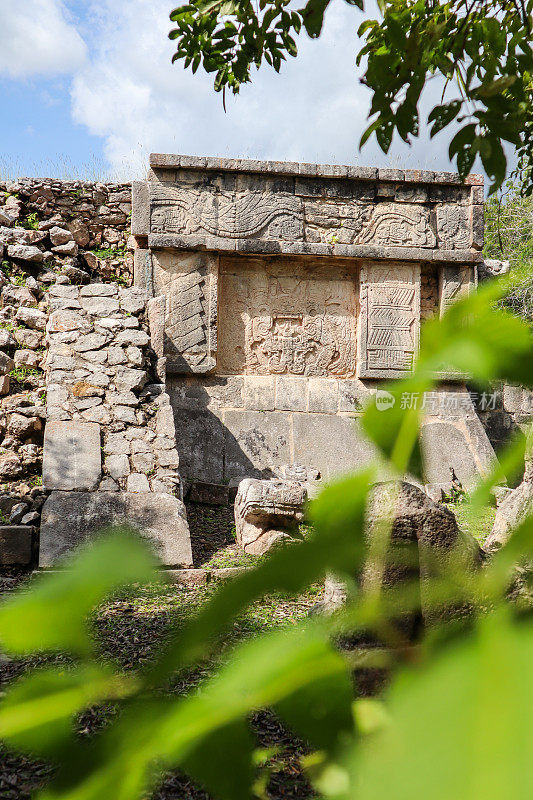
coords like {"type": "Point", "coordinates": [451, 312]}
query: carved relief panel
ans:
{"type": "Point", "coordinates": [455, 282]}
{"type": "Point", "coordinates": [453, 227]}
{"type": "Point", "coordinates": [232, 215]}
{"type": "Point", "coordinates": [283, 319]}
{"type": "Point", "coordinates": [390, 319]}
{"type": "Point", "coordinates": [189, 284]}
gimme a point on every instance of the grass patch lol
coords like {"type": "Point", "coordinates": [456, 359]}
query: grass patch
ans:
{"type": "Point", "coordinates": [479, 526]}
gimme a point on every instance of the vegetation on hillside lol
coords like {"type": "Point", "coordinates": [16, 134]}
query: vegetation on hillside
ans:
{"type": "Point", "coordinates": [509, 235]}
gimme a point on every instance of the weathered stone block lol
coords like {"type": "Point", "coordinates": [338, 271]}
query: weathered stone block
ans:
{"type": "Point", "coordinates": [259, 392]}
{"type": "Point", "coordinates": [142, 271]}
{"type": "Point", "coordinates": [71, 518]}
{"type": "Point", "coordinates": [201, 445]}
{"type": "Point", "coordinates": [16, 545]}
{"type": "Point", "coordinates": [323, 395]}
{"type": "Point", "coordinates": [140, 212]}
{"type": "Point", "coordinates": [448, 445]}
{"type": "Point", "coordinates": [331, 444]}
{"type": "Point", "coordinates": [291, 393]}
{"type": "Point", "coordinates": [72, 455]}
{"type": "Point", "coordinates": [255, 442]}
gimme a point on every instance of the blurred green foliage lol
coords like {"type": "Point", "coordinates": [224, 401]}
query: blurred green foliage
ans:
{"type": "Point", "coordinates": [456, 721]}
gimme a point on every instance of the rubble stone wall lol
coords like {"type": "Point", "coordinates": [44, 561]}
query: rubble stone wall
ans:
{"type": "Point", "coordinates": [100, 369]}
{"type": "Point", "coordinates": [52, 233]}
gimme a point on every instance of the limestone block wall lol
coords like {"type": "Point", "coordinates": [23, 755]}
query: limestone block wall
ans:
{"type": "Point", "coordinates": [52, 232]}
{"type": "Point", "coordinates": [99, 369]}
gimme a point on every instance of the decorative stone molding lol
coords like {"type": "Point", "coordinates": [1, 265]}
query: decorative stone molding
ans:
{"type": "Point", "coordinates": [300, 209]}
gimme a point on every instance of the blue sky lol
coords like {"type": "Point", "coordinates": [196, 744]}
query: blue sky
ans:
{"type": "Point", "coordinates": [88, 90]}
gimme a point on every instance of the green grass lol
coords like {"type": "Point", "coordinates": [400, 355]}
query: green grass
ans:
{"type": "Point", "coordinates": [132, 626]}
{"type": "Point", "coordinates": [479, 526]}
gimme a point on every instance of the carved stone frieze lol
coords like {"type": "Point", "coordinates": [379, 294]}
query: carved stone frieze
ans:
{"type": "Point", "coordinates": [233, 215]}
{"type": "Point", "coordinates": [189, 283]}
{"type": "Point", "coordinates": [453, 227]}
{"type": "Point", "coordinates": [287, 323]}
{"type": "Point", "coordinates": [398, 225]}
{"type": "Point", "coordinates": [390, 319]}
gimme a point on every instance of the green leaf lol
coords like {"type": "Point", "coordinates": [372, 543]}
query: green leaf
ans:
{"type": "Point", "coordinates": [384, 134]}
{"type": "Point", "coordinates": [392, 423]}
{"type": "Point", "coordinates": [462, 138]}
{"type": "Point", "coordinates": [210, 764]}
{"type": "Point", "coordinates": [166, 733]}
{"type": "Point", "coordinates": [471, 722]}
{"type": "Point", "coordinates": [443, 115]}
{"type": "Point", "coordinates": [475, 339]}
{"type": "Point", "coordinates": [369, 131]}
{"type": "Point", "coordinates": [50, 612]}
{"type": "Point", "coordinates": [496, 87]}
{"type": "Point", "coordinates": [313, 16]}
{"type": "Point", "coordinates": [36, 713]}
{"type": "Point", "coordinates": [320, 712]}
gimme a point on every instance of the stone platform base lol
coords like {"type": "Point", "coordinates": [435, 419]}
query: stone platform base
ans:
{"type": "Point", "coordinates": [71, 518]}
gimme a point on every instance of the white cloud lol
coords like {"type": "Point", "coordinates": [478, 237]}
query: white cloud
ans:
{"type": "Point", "coordinates": [37, 38]}
{"type": "Point", "coordinates": [315, 110]}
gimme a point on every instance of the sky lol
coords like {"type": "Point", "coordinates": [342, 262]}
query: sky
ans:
{"type": "Point", "coordinates": [88, 90]}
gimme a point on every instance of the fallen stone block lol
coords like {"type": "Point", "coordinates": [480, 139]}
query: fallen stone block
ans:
{"type": "Point", "coordinates": [72, 457]}
{"type": "Point", "coordinates": [187, 577]}
{"type": "Point", "coordinates": [425, 543]}
{"type": "Point", "coordinates": [268, 513]}
{"type": "Point", "coordinates": [69, 519]}
{"type": "Point", "coordinates": [16, 543]}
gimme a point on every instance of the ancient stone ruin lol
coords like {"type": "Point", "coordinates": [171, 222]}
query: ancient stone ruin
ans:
{"type": "Point", "coordinates": [213, 323]}
{"type": "Point", "coordinates": [289, 290]}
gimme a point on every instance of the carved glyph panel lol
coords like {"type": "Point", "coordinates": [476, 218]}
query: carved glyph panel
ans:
{"type": "Point", "coordinates": [390, 320]}
{"type": "Point", "coordinates": [398, 225]}
{"type": "Point", "coordinates": [455, 282]}
{"type": "Point", "coordinates": [275, 322]}
{"type": "Point", "coordinates": [233, 215]}
{"type": "Point", "coordinates": [453, 227]}
{"type": "Point", "coordinates": [189, 284]}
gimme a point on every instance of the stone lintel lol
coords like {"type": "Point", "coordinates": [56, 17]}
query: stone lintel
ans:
{"type": "Point", "coordinates": [172, 241]}
{"type": "Point", "coordinates": [292, 168]}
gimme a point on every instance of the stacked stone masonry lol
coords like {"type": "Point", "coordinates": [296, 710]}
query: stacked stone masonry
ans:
{"type": "Point", "coordinates": [98, 371]}
{"type": "Point", "coordinates": [51, 232]}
